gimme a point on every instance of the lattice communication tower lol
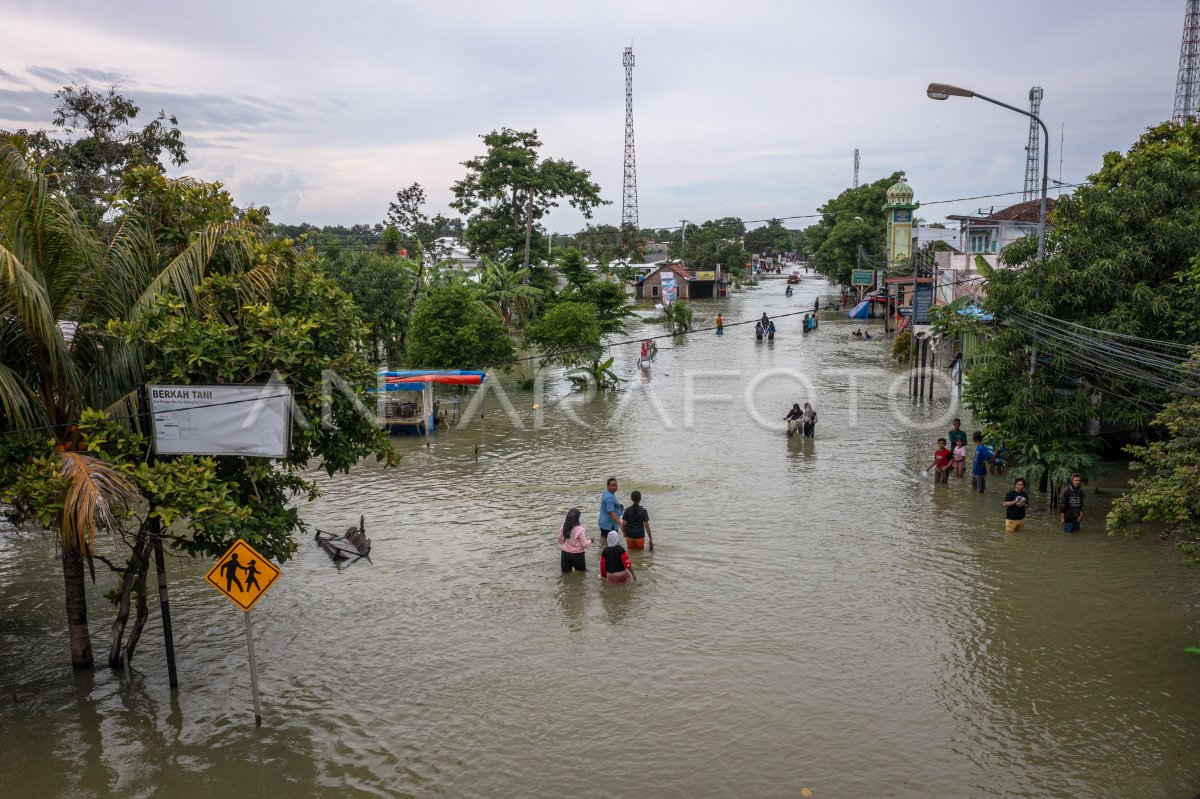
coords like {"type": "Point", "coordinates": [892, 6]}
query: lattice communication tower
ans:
{"type": "Point", "coordinates": [629, 209]}
{"type": "Point", "coordinates": [1033, 149]}
{"type": "Point", "coordinates": [1187, 87]}
{"type": "Point", "coordinates": [856, 167]}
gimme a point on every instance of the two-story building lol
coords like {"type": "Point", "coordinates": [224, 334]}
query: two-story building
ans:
{"type": "Point", "coordinates": [985, 236]}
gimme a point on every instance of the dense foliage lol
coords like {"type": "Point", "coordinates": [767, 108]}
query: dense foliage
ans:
{"type": "Point", "coordinates": [1166, 489]}
{"type": "Point", "coordinates": [1120, 272]}
{"type": "Point", "coordinates": [452, 328]}
{"type": "Point", "coordinates": [851, 220]}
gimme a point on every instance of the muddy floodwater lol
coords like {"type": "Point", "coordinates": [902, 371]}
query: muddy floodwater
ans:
{"type": "Point", "coordinates": [815, 615]}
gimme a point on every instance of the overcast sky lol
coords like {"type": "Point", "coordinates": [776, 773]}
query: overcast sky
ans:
{"type": "Point", "coordinates": [322, 110]}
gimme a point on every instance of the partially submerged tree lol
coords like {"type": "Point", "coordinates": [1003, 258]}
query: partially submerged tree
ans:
{"type": "Point", "coordinates": [1166, 488]}
{"type": "Point", "coordinates": [452, 328]}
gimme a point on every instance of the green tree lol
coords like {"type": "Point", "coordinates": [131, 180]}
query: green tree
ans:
{"type": "Point", "coordinates": [573, 267]}
{"type": "Point", "coordinates": [452, 328]}
{"type": "Point", "coordinates": [507, 292]}
{"type": "Point", "coordinates": [851, 220]}
{"type": "Point", "coordinates": [678, 316]}
{"type": "Point", "coordinates": [1115, 276]}
{"type": "Point", "coordinates": [711, 243]}
{"type": "Point", "coordinates": [99, 143]}
{"type": "Point", "coordinates": [380, 286]}
{"type": "Point", "coordinates": [60, 284]}
{"type": "Point", "coordinates": [509, 188]}
{"type": "Point", "coordinates": [771, 240]}
{"type": "Point", "coordinates": [570, 334]}
{"type": "Point", "coordinates": [1166, 489]}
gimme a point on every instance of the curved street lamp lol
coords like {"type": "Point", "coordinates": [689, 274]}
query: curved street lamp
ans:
{"type": "Point", "coordinates": [944, 91]}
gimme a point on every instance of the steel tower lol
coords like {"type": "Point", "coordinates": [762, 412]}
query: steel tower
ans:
{"type": "Point", "coordinates": [1033, 149]}
{"type": "Point", "coordinates": [629, 211]}
{"type": "Point", "coordinates": [1187, 87]}
{"type": "Point", "coordinates": [856, 167]}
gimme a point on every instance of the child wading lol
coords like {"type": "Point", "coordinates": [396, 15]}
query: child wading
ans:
{"type": "Point", "coordinates": [637, 524]}
{"type": "Point", "coordinates": [573, 540]}
{"type": "Point", "coordinates": [615, 566]}
{"type": "Point", "coordinates": [942, 457]}
{"type": "Point", "coordinates": [1015, 503]}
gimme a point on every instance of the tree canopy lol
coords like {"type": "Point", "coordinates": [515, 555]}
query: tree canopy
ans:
{"type": "Point", "coordinates": [851, 220]}
{"type": "Point", "coordinates": [452, 328]}
{"type": "Point", "coordinates": [1108, 311]}
{"type": "Point", "coordinates": [510, 188]}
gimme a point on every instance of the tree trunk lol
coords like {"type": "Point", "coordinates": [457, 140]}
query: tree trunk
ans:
{"type": "Point", "coordinates": [412, 300]}
{"type": "Point", "coordinates": [528, 234]}
{"type": "Point", "coordinates": [142, 611]}
{"type": "Point", "coordinates": [77, 623]}
{"type": "Point", "coordinates": [138, 560]}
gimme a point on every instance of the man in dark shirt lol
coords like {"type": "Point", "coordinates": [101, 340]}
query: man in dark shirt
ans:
{"type": "Point", "coordinates": [1015, 502]}
{"type": "Point", "coordinates": [957, 435]}
{"type": "Point", "coordinates": [1070, 505]}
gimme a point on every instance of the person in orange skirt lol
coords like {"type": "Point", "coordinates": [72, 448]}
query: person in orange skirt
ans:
{"type": "Point", "coordinates": [637, 524]}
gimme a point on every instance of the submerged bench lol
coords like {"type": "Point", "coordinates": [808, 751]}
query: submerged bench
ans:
{"type": "Point", "coordinates": [350, 546]}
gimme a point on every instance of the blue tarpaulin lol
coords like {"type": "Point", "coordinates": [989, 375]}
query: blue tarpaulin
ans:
{"type": "Point", "coordinates": [859, 311]}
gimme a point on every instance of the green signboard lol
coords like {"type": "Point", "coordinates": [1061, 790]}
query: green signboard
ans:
{"type": "Point", "coordinates": [862, 277]}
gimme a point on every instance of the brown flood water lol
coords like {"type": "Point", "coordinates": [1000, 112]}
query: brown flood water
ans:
{"type": "Point", "coordinates": [815, 615]}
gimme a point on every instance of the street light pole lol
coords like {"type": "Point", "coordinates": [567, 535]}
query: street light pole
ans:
{"type": "Point", "coordinates": [943, 91]}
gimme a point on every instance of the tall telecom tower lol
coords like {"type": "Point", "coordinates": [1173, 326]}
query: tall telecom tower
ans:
{"type": "Point", "coordinates": [629, 212]}
{"type": "Point", "coordinates": [856, 167]}
{"type": "Point", "coordinates": [1033, 149]}
{"type": "Point", "coordinates": [1187, 87]}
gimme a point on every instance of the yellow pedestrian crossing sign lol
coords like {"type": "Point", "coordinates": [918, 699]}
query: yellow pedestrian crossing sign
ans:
{"type": "Point", "coordinates": [242, 574]}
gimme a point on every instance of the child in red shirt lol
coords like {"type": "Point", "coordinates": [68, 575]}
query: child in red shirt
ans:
{"type": "Point", "coordinates": [942, 458]}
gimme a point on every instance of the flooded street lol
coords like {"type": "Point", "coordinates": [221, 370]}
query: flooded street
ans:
{"type": "Point", "coordinates": [815, 615]}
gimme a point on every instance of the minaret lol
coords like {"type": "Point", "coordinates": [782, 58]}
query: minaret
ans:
{"type": "Point", "coordinates": [899, 208]}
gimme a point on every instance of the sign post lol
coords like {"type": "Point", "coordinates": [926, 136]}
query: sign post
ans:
{"type": "Point", "coordinates": [227, 576]}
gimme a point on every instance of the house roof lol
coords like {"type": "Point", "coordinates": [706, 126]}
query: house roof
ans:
{"type": "Point", "coordinates": [1022, 212]}
{"type": "Point", "coordinates": [676, 268]}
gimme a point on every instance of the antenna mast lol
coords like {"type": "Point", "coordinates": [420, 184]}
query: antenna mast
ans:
{"type": "Point", "coordinates": [856, 167]}
{"type": "Point", "coordinates": [1033, 149]}
{"type": "Point", "coordinates": [1187, 87]}
{"type": "Point", "coordinates": [629, 209]}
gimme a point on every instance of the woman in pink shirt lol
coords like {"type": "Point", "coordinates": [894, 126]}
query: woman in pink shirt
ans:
{"type": "Point", "coordinates": [572, 539]}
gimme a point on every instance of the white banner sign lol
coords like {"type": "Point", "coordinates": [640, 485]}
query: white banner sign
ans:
{"type": "Point", "coordinates": [250, 420]}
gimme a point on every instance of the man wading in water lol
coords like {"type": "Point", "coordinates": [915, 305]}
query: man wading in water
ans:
{"type": "Point", "coordinates": [610, 509]}
{"type": "Point", "coordinates": [1070, 505]}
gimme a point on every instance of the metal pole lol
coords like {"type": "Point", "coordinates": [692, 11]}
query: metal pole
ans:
{"type": "Point", "coordinates": [253, 672]}
{"type": "Point", "coordinates": [163, 603]}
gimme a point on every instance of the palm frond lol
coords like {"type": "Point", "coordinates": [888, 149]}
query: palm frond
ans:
{"type": "Point", "coordinates": [96, 494]}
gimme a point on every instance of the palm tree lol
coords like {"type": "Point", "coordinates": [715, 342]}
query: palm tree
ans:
{"type": "Point", "coordinates": [60, 284]}
{"type": "Point", "coordinates": [507, 291]}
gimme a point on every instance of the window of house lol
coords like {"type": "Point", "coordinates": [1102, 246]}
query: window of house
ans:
{"type": "Point", "coordinates": [983, 241]}
{"type": "Point", "coordinates": [654, 291]}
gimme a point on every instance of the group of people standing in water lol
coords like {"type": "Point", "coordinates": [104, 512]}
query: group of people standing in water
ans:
{"type": "Point", "coordinates": [615, 518]}
{"type": "Point", "coordinates": [801, 420]}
